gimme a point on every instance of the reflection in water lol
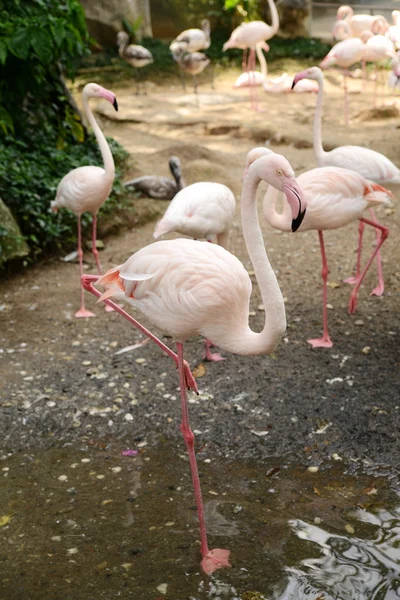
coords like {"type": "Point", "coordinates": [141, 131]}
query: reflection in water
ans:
{"type": "Point", "coordinates": [350, 568]}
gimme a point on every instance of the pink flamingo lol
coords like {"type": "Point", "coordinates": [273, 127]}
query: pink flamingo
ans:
{"type": "Point", "coordinates": [393, 32]}
{"type": "Point", "coordinates": [377, 48]}
{"type": "Point", "coordinates": [194, 40]}
{"type": "Point", "coordinates": [335, 197]}
{"type": "Point", "coordinates": [254, 78]}
{"type": "Point", "coordinates": [283, 85]}
{"type": "Point", "coordinates": [247, 36]}
{"type": "Point", "coordinates": [187, 287]}
{"type": "Point", "coordinates": [85, 189]}
{"type": "Point", "coordinates": [370, 164]}
{"type": "Point", "coordinates": [344, 54]}
{"type": "Point", "coordinates": [357, 23]}
{"type": "Point", "coordinates": [201, 210]}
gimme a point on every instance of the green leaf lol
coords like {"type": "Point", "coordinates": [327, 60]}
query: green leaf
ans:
{"type": "Point", "coordinates": [58, 30]}
{"type": "Point", "coordinates": [231, 4]}
{"type": "Point", "coordinates": [3, 51]}
{"type": "Point", "coordinates": [42, 45]}
{"type": "Point", "coordinates": [20, 42]}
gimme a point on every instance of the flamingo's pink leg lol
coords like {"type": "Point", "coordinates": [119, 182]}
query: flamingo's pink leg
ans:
{"type": "Point", "coordinates": [353, 280]}
{"type": "Point", "coordinates": [325, 341]}
{"type": "Point", "coordinates": [249, 66]}
{"type": "Point", "coordinates": [87, 283]}
{"type": "Point", "coordinates": [213, 357]}
{"type": "Point", "coordinates": [346, 101]}
{"type": "Point", "coordinates": [376, 86]}
{"type": "Point", "coordinates": [211, 559]}
{"type": "Point", "coordinates": [364, 75]}
{"type": "Point", "coordinates": [94, 247]}
{"type": "Point", "coordinates": [380, 288]}
{"type": "Point", "coordinates": [244, 60]}
{"type": "Point", "coordinates": [82, 312]}
{"type": "Point", "coordinates": [354, 294]}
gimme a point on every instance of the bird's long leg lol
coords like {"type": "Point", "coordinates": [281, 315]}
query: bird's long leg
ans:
{"type": "Point", "coordinates": [244, 60]}
{"type": "Point", "coordinates": [211, 356]}
{"type": "Point", "coordinates": [346, 101]}
{"type": "Point", "coordinates": [137, 81]}
{"type": "Point", "coordinates": [211, 559]}
{"type": "Point", "coordinates": [212, 77]}
{"type": "Point", "coordinates": [82, 312]}
{"type": "Point", "coordinates": [325, 341]}
{"type": "Point", "coordinates": [94, 247]}
{"type": "Point", "coordinates": [195, 90]}
{"type": "Point", "coordinates": [181, 77]}
{"type": "Point", "coordinates": [364, 75]}
{"type": "Point", "coordinates": [88, 281]}
{"type": "Point", "coordinates": [354, 294]}
{"type": "Point", "coordinates": [376, 86]}
{"type": "Point", "coordinates": [249, 78]}
{"type": "Point", "coordinates": [353, 280]}
{"type": "Point", "coordinates": [380, 288]}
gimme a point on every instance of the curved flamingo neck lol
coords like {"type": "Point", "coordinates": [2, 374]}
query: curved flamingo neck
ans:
{"type": "Point", "coordinates": [247, 341]}
{"type": "Point", "coordinates": [274, 17]}
{"type": "Point", "coordinates": [122, 46]}
{"type": "Point", "coordinates": [281, 221]}
{"type": "Point", "coordinates": [106, 155]}
{"type": "Point", "coordinates": [317, 133]}
{"type": "Point", "coordinates": [263, 62]}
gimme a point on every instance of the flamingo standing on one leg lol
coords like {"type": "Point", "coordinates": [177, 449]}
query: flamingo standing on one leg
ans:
{"type": "Point", "coordinates": [85, 189]}
{"type": "Point", "coordinates": [201, 210]}
{"type": "Point", "coordinates": [344, 54]}
{"type": "Point", "coordinates": [370, 164]}
{"type": "Point", "coordinates": [187, 287]}
{"type": "Point", "coordinates": [335, 197]}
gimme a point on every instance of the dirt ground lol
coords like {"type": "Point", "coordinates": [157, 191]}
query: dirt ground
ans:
{"type": "Point", "coordinates": [63, 383]}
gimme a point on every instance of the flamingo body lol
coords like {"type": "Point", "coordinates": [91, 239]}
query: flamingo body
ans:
{"type": "Point", "coordinates": [344, 54]}
{"type": "Point", "coordinates": [357, 23]}
{"type": "Point", "coordinates": [201, 210]}
{"type": "Point", "coordinates": [194, 40]}
{"type": "Point", "coordinates": [83, 189]}
{"type": "Point", "coordinates": [378, 47]}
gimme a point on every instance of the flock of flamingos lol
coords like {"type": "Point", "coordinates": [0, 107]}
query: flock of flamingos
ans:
{"type": "Point", "coordinates": [187, 287]}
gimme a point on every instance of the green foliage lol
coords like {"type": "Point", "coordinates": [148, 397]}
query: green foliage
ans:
{"type": "Point", "coordinates": [39, 40]}
{"type": "Point", "coordinates": [29, 175]}
{"type": "Point", "coordinates": [245, 8]}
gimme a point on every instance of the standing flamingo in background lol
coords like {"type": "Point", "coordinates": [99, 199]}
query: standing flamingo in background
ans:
{"type": "Point", "coordinates": [85, 189]}
{"type": "Point", "coordinates": [344, 54]}
{"type": "Point", "coordinates": [357, 23]}
{"type": "Point", "coordinates": [193, 63]}
{"type": "Point", "coordinates": [377, 48]}
{"type": "Point", "coordinates": [247, 36]}
{"type": "Point", "coordinates": [194, 40]}
{"type": "Point", "coordinates": [187, 288]}
{"type": "Point", "coordinates": [370, 164]}
{"type": "Point", "coordinates": [335, 197]}
{"type": "Point", "coordinates": [393, 33]}
{"type": "Point", "coordinates": [201, 210]}
{"type": "Point", "coordinates": [394, 75]}
{"type": "Point", "coordinates": [137, 56]}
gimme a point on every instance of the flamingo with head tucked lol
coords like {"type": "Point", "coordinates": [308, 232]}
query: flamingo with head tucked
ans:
{"type": "Point", "coordinates": [85, 189]}
{"type": "Point", "coordinates": [187, 287]}
{"type": "Point", "coordinates": [370, 164]}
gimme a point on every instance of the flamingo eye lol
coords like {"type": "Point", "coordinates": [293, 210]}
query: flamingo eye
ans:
{"type": "Point", "coordinates": [280, 172]}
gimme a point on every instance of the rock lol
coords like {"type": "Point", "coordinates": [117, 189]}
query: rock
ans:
{"type": "Point", "coordinates": [104, 18]}
{"type": "Point", "coordinates": [294, 17]}
{"type": "Point", "coordinates": [12, 244]}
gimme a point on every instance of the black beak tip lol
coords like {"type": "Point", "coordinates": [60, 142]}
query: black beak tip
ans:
{"type": "Point", "coordinates": [115, 104]}
{"type": "Point", "coordinates": [294, 83]}
{"type": "Point", "coordinates": [298, 221]}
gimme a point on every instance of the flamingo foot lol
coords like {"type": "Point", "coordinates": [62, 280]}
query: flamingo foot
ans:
{"type": "Point", "coordinates": [351, 280]}
{"type": "Point", "coordinates": [353, 303]}
{"type": "Point", "coordinates": [215, 559]}
{"type": "Point", "coordinates": [212, 357]}
{"type": "Point", "coordinates": [109, 309]}
{"type": "Point", "coordinates": [83, 312]}
{"type": "Point", "coordinates": [324, 342]}
{"type": "Point", "coordinates": [378, 290]}
{"type": "Point", "coordinates": [190, 380]}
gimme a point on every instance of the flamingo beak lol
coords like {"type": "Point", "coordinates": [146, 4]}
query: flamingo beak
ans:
{"type": "Point", "coordinates": [297, 202]}
{"type": "Point", "coordinates": [115, 104]}
{"type": "Point", "coordinates": [297, 78]}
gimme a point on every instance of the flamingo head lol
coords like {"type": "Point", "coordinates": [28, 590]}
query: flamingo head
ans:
{"type": "Point", "coordinates": [175, 167]}
{"type": "Point", "coordinates": [344, 12]}
{"type": "Point", "coordinates": [92, 90]}
{"type": "Point", "coordinates": [255, 154]}
{"type": "Point", "coordinates": [205, 25]}
{"type": "Point", "coordinates": [275, 170]}
{"type": "Point", "coordinates": [313, 73]}
{"type": "Point", "coordinates": [122, 38]}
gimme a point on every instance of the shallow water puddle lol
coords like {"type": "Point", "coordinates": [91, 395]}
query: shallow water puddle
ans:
{"type": "Point", "coordinates": [93, 523]}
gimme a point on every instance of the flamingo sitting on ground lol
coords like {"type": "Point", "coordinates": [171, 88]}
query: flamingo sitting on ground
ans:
{"type": "Point", "coordinates": [357, 23]}
{"type": "Point", "coordinates": [335, 197]}
{"type": "Point", "coordinates": [85, 189]}
{"type": "Point", "coordinates": [187, 287]}
{"type": "Point", "coordinates": [160, 188]}
{"type": "Point", "coordinates": [134, 55]}
{"type": "Point", "coordinates": [344, 54]}
{"type": "Point", "coordinates": [201, 210]}
{"type": "Point", "coordinates": [194, 40]}
{"type": "Point", "coordinates": [370, 164]}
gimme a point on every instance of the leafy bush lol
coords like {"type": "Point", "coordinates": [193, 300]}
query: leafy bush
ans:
{"type": "Point", "coordinates": [29, 175]}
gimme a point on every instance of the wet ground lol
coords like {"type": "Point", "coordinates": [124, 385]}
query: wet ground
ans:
{"type": "Point", "coordinates": [80, 520]}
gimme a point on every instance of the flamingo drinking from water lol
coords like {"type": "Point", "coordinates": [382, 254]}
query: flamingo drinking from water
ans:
{"type": "Point", "coordinates": [370, 164]}
{"type": "Point", "coordinates": [187, 287]}
{"type": "Point", "coordinates": [85, 189]}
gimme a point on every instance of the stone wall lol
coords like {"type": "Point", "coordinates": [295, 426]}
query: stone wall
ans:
{"type": "Point", "coordinates": [12, 245]}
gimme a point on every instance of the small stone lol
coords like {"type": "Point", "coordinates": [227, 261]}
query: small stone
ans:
{"type": "Point", "coordinates": [50, 403]}
{"type": "Point", "coordinates": [86, 363]}
{"type": "Point", "coordinates": [72, 551]}
{"type": "Point", "coordinates": [100, 476]}
{"type": "Point", "coordinates": [63, 478]}
{"type": "Point", "coordinates": [128, 417]}
{"type": "Point", "coordinates": [366, 350]}
{"type": "Point", "coordinates": [312, 469]}
{"type": "Point", "coordinates": [252, 313]}
{"type": "Point", "coordinates": [116, 469]}
{"type": "Point", "coordinates": [56, 538]}
{"type": "Point", "coordinates": [126, 566]}
{"type": "Point", "coordinates": [349, 528]}
{"type": "Point", "coordinates": [101, 566]}
{"type": "Point", "coordinates": [359, 322]}
{"type": "Point", "coordinates": [169, 523]}
{"type": "Point", "coordinates": [162, 588]}
{"type": "Point", "coordinates": [260, 307]}
{"type": "Point", "coordinates": [85, 460]}
{"type": "Point", "coordinates": [140, 361]}
{"type": "Point", "coordinates": [213, 493]}
{"type": "Point", "coordinates": [105, 502]}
